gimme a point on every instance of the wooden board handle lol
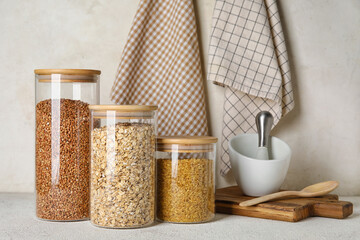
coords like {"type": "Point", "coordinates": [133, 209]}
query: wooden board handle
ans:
{"type": "Point", "coordinates": [332, 209]}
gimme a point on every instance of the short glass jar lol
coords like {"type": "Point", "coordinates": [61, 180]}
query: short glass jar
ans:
{"type": "Point", "coordinates": [186, 179]}
{"type": "Point", "coordinates": [62, 147]}
{"type": "Point", "coordinates": [123, 166]}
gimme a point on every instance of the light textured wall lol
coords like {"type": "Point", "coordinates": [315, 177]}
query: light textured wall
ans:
{"type": "Point", "coordinates": [323, 39]}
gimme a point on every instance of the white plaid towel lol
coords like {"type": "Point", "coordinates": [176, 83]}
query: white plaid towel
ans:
{"type": "Point", "coordinates": [160, 65]}
{"type": "Point", "coordinates": [248, 56]}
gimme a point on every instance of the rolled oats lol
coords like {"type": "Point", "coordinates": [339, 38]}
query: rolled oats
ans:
{"type": "Point", "coordinates": [123, 175]}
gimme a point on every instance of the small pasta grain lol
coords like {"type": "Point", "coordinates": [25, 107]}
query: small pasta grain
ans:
{"type": "Point", "coordinates": [185, 190]}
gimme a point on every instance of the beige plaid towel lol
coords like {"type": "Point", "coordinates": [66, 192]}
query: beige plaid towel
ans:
{"type": "Point", "coordinates": [160, 65]}
{"type": "Point", "coordinates": [248, 56]}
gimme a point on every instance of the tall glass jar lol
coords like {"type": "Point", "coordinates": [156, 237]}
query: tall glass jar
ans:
{"type": "Point", "coordinates": [123, 143]}
{"type": "Point", "coordinates": [63, 142]}
{"type": "Point", "coordinates": [186, 179]}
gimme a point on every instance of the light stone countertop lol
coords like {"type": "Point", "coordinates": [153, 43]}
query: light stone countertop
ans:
{"type": "Point", "coordinates": [18, 221]}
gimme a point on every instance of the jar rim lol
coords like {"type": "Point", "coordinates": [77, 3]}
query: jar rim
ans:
{"type": "Point", "coordinates": [187, 140]}
{"type": "Point", "coordinates": [124, 108]}
{"type": "Point", "coordinates": [67, 71]}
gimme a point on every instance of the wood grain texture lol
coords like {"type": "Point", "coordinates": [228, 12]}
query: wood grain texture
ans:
{"type": "Point", "coordinates": [315, 190]}
{"type": "Point", "coordinates": [290, 210]}
{"type": "Point", "coordinates": [67, 71]}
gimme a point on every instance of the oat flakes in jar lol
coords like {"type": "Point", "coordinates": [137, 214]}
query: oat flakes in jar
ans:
{"type": "Point", "coordinates": [62, 149]}
{"type": "Point", "coordinates": [186, 179]}
{"type": "Point", "coordinates": [123, 144]}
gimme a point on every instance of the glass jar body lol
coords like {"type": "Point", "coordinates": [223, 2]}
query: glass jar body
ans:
{"type": "Point", "coordinates": [62, 147]}
{"type": "Point", "coordinates": [186, 183]}
{"type": "Point", "coordinates": [122, 168]}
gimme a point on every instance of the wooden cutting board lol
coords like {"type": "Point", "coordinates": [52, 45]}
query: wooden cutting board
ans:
{"type": "Point", "coordinates": [290, 210]}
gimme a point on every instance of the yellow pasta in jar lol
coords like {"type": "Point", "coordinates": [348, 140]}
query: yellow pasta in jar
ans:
{"type": "Point", "coordinates": [185, 190]}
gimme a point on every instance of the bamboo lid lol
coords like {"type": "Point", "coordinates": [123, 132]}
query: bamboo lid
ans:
{"type": "Point", "coordinates": [67, 71]}
{"type": "Point", "coordinates": [186, 140]}
{"type": "Point", "coordinates": [123, 108]}
{"type": "Point", "coordinates": [68, 75]}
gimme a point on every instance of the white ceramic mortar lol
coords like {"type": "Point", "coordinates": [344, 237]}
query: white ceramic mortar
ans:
{"type": "Point", "coordinates": [258, 177]}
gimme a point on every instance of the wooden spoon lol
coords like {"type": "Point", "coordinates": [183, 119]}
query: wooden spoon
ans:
{"type": "Point", "coordinates": [316, 190]}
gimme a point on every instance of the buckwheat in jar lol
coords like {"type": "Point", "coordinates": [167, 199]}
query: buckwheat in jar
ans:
{"type": "Point", "coordinates": [63, 142]}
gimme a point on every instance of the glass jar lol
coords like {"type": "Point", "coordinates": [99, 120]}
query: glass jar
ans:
{"type": "Point", "coordinates": [123, 144]}
{"type": "Point", "coordinates": [186, 179]}
{"type": "Point", "coordinates": [62, 147]}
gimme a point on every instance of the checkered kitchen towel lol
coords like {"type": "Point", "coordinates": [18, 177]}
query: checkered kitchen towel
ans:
{"type": "Point", "coordinates": [247, 56]}
{"type": "Point", "coordinates": [160, 65]}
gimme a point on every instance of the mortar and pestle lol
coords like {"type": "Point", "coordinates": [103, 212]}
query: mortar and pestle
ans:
{"type": "Point", "coordinates": [260, 163]}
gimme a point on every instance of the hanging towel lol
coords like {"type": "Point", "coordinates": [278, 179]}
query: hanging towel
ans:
{"type": "Point", "coordinates": [160, 65]}
{"type": "Point", "coordinates": [248, 56]}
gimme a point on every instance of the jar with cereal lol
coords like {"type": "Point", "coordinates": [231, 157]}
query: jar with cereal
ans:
{"type": "Point", "coordinates": [122, 193]}
{"type": "Point", "coordinates": [186, 179]}
{"type": "Point", "coordinates": [62, 150]}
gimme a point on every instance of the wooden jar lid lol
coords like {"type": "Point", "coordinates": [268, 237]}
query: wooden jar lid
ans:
{"type": "Point", "coordinates": [67, 71]}
{"type": "Point", "coordinates": [68, 75]}
{"type": "Point", "coordinates": [123, 111]}
{"type": "Point", "coordinates": [123, 108]}
{"type": "Point", "coordinates": [186, 144]}
{"type": "Point", "coordinates": [186, 140]}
